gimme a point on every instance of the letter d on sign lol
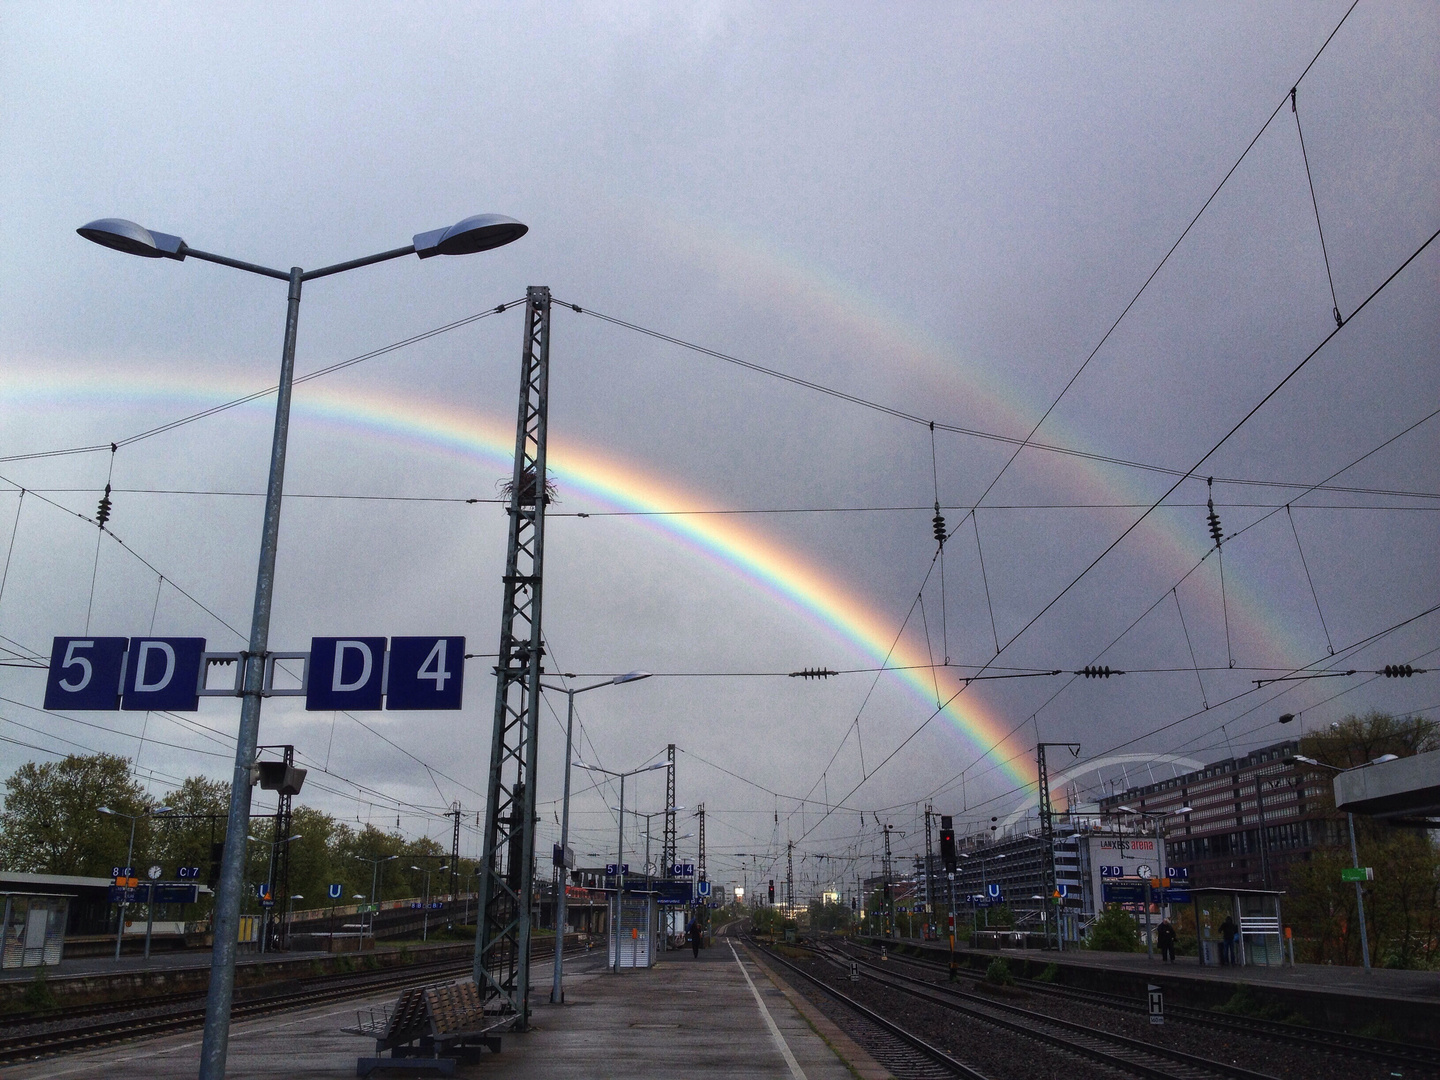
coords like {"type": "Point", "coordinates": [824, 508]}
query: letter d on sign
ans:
{"type": "Point", "coordinates": [346, 673]}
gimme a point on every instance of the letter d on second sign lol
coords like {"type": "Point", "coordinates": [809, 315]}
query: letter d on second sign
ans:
{"type": "Point", "coordinates": [346, 673]}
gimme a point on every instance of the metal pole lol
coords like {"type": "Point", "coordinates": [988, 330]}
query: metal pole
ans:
{"type": "Point", "coordinates": [129, 855]}
{"type": "Point", "coordinates": [149, 916]}
{"type": "Point", "coordinates": [1359, 896]}
{"type": "Point", "coordinates": [232, 867]}
{"type": "Point", "coordinates": [1149, 942]}
{"type": "Point", "coordinates": [1264, 840]}
{"type": "Point", "coordinates": [619, 873]}
{"type": "Point", "coordinates": [425, 930]}
{"type": "Point", "coordinates": [557, 986]}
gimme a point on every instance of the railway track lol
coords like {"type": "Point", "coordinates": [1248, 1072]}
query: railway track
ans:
{"type": "Point", "coordinates": [1404, 1055]}
{"type": "Point", "coordinates": [901, 1051]}
{"type": "Point", "coordinates": [184, 1011]}
{"type": "Point", "coordinates": [1129, 1056]}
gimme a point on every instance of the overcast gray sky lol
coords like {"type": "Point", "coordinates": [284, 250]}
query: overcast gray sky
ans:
{"type": "Point", "coordinates": [940, 208]}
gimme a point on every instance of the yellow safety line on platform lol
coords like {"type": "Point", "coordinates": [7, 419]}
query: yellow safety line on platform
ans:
{"type": "Point", "coordinates": [795, 1070]}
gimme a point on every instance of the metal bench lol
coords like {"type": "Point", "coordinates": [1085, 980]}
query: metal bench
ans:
{"type": "Point", "coordinates": [429, 1028]}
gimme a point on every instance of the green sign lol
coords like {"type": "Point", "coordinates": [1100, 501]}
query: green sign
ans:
{"type": "Point", "coordinates": [1357, 873]}
{"type": "Point", "coordinates": [366, 909]}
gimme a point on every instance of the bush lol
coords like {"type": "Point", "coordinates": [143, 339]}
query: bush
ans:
{"type": "Point", "coordinates": [998, 973]}
{"type": "Point", "coordinates": [1114, 931]}
{"type": "Point", "coordinates": [37, 996]}
{"type": "Point", "coordinates": [1050, 974]}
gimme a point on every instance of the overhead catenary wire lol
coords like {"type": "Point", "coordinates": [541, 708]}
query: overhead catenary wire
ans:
{"type": "Point", "coordinates": [1309, 580]}
{"type": "Point", "coordinates": [245, 399]}
{"type": "Point", "coordinates": [1193, 470]}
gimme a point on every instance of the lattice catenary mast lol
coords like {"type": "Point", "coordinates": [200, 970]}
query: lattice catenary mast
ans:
{"type": "Point", "coordinates": [502, 933]}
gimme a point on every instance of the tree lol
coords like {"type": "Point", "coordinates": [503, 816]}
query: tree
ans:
{"type": "Point", "coordinates": [1114, 931]}
{"type": "Point", "coordinates": [1402, 905]}
{"type": "Point", "coordinates": [50, 824]}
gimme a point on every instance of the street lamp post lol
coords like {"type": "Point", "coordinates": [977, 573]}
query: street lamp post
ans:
{"type": "Point", "coordinates": [557, 989]}
{"type": "Point", "coordinates": [620, 841]}
{"type": "Point", "coordinates": [425, 929]}
{"type": "Point", "coordinates": [129, 855]}
{"type": "Point", "coordinates": [375, 865]}
{"type": "Point", "coordinates": [1160, 861]}
{"type": "Point", "coordinates": [272, 845]}
{"type": "Point", "coordinates": [1354, 861]}
{"type": "Point", "coordinates": [473, 234]}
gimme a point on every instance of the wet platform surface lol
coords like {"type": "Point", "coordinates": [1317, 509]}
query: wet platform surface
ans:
{"type": "Point", "coordinates": [720, 1015]}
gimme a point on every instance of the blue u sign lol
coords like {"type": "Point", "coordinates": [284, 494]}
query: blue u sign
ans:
{"type": "Point", "coordinates": [335, 891]}
{"type": "Point", "coordinates": [994, 891]}
{"type": "Point", "coordinates": [85, 673]}
{"type": "Point", "coordinates": [346, 673]}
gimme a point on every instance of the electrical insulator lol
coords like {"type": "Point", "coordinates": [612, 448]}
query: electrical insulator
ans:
{"type": "Point", "coordinates": [102, 511]}
{"type": "Point", "coordinates": [1212, 517]}
{"type": "Point", "coordinates": [813, 673]}
{"type": "Point", "coordinates": [938, 523]}
{"type": "Point", "coordinates": [1398, 671]}
{"type": "Point", "coordinates": [1092, 672]}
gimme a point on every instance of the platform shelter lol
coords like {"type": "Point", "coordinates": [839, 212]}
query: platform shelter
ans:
{"type": "Point", "coordinates": [1257, 914]}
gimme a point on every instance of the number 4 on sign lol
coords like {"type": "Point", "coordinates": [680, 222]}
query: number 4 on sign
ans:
{"type": "Point", "coordinates": [425, 673]}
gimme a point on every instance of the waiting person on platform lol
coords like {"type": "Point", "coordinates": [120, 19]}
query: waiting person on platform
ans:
{"type": "Point", "coordinates": [692, 931]}
{"type": "Point", "coordinates": [1166, 936]}
{"type": "Point", "coordinates": [1228, 932]}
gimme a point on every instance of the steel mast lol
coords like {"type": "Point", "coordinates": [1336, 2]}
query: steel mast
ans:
{"type": "Point", "coordinates": [502, 933]}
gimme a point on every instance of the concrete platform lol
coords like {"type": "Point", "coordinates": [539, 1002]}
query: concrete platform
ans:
{"type": "Point", "coordinates": [719, 1016]}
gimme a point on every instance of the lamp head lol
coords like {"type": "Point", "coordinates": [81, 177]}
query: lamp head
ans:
{"type": "Point", "coordinates": [1285, 718]}
{"type": "Point", "coordinates": [630, 676]}
{"type": "Point", "coordinates": [133, 239]}
{"type": "Point", "coordinates": [104, 810]}
{"type": "Point", "coordinates": [478, 233]}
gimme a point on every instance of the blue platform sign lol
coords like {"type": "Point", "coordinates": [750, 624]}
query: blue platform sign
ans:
{"type": "Point", "coordinates": [1124, 892]}
{"type": "Point", "coordinates": [702, 889]}
{"type": "Point", "coordinates": [1181, 873]}
{"type": "Point", "coordinates": [993, 891]}
{"type": "Point", "coordinates": [682, 869]}
{"type": "Point", "coordinates": [336, 891]}
{"type": "Point", "coordinates": [673, 893]}
{"type": "Point", "coordinates": [346, 673]}
{"type": "Point", "coordinates": [425, 673]}
{"type": "Point", "coordinates": [611, 870]}
{"type": "Point", "coordinates": [1112, 871]}
{"type": "Point", "coordinates": [188, 873]}
{"type": "Point", "coordinates": [85, 673]}
{"type": "Point", "coordinates": [163, 673]}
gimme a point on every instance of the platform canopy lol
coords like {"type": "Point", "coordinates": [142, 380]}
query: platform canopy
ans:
{"type": "Point", "coordinates": [1402, 791]}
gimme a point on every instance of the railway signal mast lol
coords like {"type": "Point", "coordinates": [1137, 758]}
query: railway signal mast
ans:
{"type": "Point", "coordinates": [1047, 842]}
{"type": "Point", "coordinates": [502, 933]}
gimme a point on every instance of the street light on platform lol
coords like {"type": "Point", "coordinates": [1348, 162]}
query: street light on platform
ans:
{"type": "Point", "coordinates": [481, 232]}
{"type": "Point", "coordinates": [557, 988]}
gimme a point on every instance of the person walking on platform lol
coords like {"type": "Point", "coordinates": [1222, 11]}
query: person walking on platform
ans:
{"type": "Point", "coordinates": [693, 933]}
{"type": "Point", "coordinates": [1166, 935]}
{"type": "Point", "coordinates": [1228, 932]}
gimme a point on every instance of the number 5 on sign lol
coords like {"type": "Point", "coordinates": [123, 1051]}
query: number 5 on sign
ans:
{"type": "Point", "coordinates": [425, 673]}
